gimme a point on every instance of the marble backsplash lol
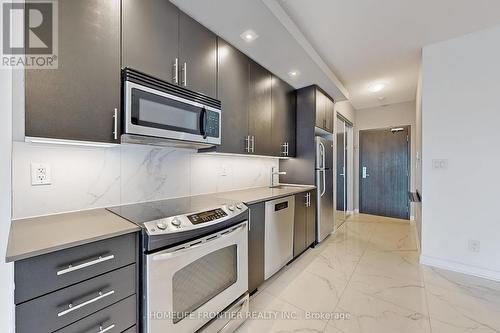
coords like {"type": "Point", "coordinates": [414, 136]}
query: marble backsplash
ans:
{"type": "Point", "coordinates": [91, 177]}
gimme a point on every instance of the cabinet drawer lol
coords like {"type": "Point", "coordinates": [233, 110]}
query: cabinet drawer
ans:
{"type": "Point", "coordinates": [113, 319]}
{"type": "Point", "coordinates": [52, 312]}
{"type": "Point", "coordinates": [49, 272]}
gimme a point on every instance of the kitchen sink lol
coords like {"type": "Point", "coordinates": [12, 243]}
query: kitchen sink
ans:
{"type": "Point", "coordinates": [285, 187]}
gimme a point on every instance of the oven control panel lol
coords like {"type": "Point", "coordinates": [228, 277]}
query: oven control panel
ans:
{"type": "Point", "coordinates": [195, 220]}
{"type": "Point", "coordinates": [207, 216]}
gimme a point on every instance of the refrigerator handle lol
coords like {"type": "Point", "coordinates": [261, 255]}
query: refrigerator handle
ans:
{"type": "Point", "coordinates": [322, 153]}
{"type": "Point", "coordinates": [324, 182]}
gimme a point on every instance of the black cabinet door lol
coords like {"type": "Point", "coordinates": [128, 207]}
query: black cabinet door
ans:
{"type": "Point", "coordinates": [320, 109]}
{"type": "Point", "coordinates": [283, 118]}
{"type": "Point", "coordinates": [299, 227]}
{"type": "Point", "coordinates": [256, 232]}
{"type": "Point", "coordinates": [197, 57]}
{"type": "Point", "coordinates": [77, 101]}
{"type": "Point", "coordinates": [233, 82]}
{"type": "Point", "coordinates": [259, 113]}
{"type": "Point", "coordinates": [150, 37]}
{"type": "Point", "coordinates": [311, 219]}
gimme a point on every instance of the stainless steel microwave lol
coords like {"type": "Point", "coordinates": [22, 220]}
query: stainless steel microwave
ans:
{"type": "Point", "coordinates": [159, 112]}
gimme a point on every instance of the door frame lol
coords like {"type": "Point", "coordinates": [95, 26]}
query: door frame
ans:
{"type": "Point", "coordinates": [408, 163]}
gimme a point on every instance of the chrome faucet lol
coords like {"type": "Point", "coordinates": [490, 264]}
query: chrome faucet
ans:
{"type": "Point", "coordinates": [273, 173]}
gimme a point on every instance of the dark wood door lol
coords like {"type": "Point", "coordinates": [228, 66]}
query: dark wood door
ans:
{"type": "Point", "coordinates": [283, 118]}
{"type": "Point", "coordinates": [256, 232]}
{"type": "Point", "coordinates": [150, 37]}
{"type": "Point", "coordinates": [77, 101]}
{"type": "Point", "coordinates": [384, 172]}
{"type": "Point", "coordinates": [311, 219]}
{"type": "Point", "coordinates": [259, 113]}
{"type": "Point", "coordinates": [197, 57]}
{"type": "Point", "coordinates": [233, 79]}
{"type": "Point", "coordinates": [300, 224]}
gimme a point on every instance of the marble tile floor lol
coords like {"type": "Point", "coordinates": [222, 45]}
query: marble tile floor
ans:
{"type": "Point", "coordinates": [366, 278]}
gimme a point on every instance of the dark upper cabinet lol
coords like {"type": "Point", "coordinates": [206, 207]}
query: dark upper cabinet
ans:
{"type": "Point", "coordinates": [233, 87]}
{"type": "Point", "coordinates": [283, 118]}
{"type": "Point", "coordinates": [77, 101]}
{"type": "Point", "coordinates": [329, 114]}
{"type": "Point", "coordinates": [150, 37]}
{"type": "Point", "coordinates": [160, 40]}
{"type": "Point", "coordinates": [259, 112]}
{"type": "Point", "coordinates": [324, 111]}
{"type": "Point", "coordinates": [304, 222]}
{"type": "Point", "coordinates": [320, 109]}
{"type": "Point", "coordinates": [197, 57]}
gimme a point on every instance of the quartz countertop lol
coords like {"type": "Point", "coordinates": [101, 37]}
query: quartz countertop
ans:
{"type": "Point", "coordinates": [259, 194]}
{"type": "Point", "coordinates": [40, 235]}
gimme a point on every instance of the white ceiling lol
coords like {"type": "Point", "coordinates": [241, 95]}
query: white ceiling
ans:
{"type": "Point", "coordinates": [364, 41]}
{"type": "Point", "coordinates": [344, 45]}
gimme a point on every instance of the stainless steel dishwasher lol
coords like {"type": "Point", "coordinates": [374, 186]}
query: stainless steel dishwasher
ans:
{"type": "Point", "coordinates": [278, 239]}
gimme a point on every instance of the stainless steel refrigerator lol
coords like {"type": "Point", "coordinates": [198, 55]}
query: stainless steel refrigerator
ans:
{"type": "Point", "coordinates": [324, 186]}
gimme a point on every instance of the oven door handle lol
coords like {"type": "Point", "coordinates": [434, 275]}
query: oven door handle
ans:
{"type": "Point", "coordinates": [198, 243]}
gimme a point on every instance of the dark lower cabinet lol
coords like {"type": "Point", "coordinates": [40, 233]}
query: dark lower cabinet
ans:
{"type": "Point", "coordinates": [283, 118]}
{"type": "Point", "coordinates": [259, 112]}
{"type": "Point", "coordinates": [233, 85]}
{"type": "Point", "coordinates": [78, 100]}
{"type": "Point", "coordinates": [305, 222]}
{"type": "Point", "coordinates": [88, 288]}
{"type": "Point", "coordinates": [197, 57]}
{"type": "Point", "coordinates": [256, 233]}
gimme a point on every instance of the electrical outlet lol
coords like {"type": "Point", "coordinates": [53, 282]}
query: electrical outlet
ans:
{"type": "Point", "coordinates": [223, 170]}
{"type": "Point", "coordinates": [440, 164]}
{"type": "Point", "coordinates": [474, 245]}
{"type": "Point", "coordinates": [40, 174]}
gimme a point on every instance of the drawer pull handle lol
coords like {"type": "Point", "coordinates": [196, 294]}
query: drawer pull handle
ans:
{"type": "Point", "coordinates": [109, 328]}
{"type": "Point", "coordinates": [72, 268]}
{"type": "Point", "coordinates": [72, 307]}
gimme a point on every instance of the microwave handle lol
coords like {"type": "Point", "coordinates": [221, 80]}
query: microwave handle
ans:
{"type": "Point", "coordinates": [203, 122]}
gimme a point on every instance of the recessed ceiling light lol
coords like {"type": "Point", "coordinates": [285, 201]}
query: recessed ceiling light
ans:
{"type": "Point", "coordinates": [294, 73]}
{"type": "Point", "coordinates": [249, 36]}
{"type": "Point", "coordinates": [377, 86]}
{"type": "Point", "coordinates": [381, 98]}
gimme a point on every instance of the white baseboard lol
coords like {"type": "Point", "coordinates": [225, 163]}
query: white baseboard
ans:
{"type": "Point", "coordinates": [412, 218]}
{"type": "Point", "coordinates": [460, 268]}
{"type": "Point", "coordinates": [356, 211]}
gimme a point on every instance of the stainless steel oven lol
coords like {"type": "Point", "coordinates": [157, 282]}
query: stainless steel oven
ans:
{"type": "Point", "coordinates": [159, 111]}
{"type": "Point", "coordinates": [189, 285]}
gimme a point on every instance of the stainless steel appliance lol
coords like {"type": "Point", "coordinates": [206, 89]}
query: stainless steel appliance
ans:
{"type": "Point", "coordinates": [159, 112]}
{"type": "Point", "coordinates": [325, 219]}
{"type": "Point", "coordinates": [278, 235]}
{"type": "Point", "coordinates": [194, 263]}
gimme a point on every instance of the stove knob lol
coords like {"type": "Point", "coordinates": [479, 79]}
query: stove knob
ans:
{"type": "Point", "coordinates": [239, 206]}
{"type": "Point", "coordinates": [231, 208]}
{"type": "Point", "coordinates": [161, 226]}
{"type": "Point", "coordinates": [176, 222]}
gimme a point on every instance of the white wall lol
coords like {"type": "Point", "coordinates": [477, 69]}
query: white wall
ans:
{"type": "Point", "coordinates": [346, 109]}
{"type": "Point", "coordinates": [383, 117]}
{"type": "Point", "coordinates": [6, 270]}
{"type": "Point", "coordinates": [417, 207]}
{"type": "Point", "coordinates": [460, 122]}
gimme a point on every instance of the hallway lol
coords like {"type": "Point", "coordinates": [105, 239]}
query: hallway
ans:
{"type": "Point", "coordinates": [367, 279]}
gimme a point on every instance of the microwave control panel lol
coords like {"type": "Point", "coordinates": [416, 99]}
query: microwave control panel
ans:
{"type": "Point", "coordinates": [213, 124]}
